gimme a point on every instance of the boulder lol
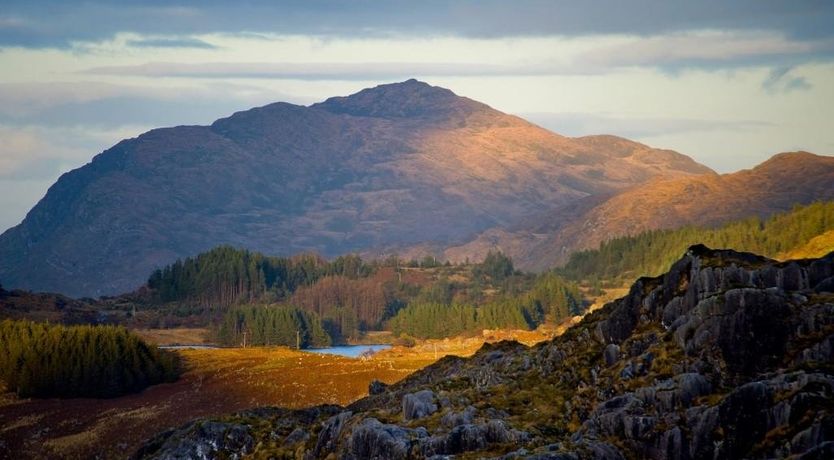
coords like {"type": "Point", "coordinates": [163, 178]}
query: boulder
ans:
{"type": "Point", "coordinates": [330, 431]}
{"type": "Point", "coordinates": [472, 437]}
{"type": "Point", "coordinates": [373, 440]}
{"type": "Point", "coordinates": [202, 440]}
{"type": "Point", "coordinates": [418, 405]}
{"type": "Point", "coordinates": [611, 354]}
{"type": "Point", "coordinates": [464, 417]}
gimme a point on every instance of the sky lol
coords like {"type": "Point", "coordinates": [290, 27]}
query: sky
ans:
{"type": "Point", "coordinates": [727, 83]}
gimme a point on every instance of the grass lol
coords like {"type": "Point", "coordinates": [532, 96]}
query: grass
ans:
{"type": "Point", "coordinates": [190, 336]}
{"type": "Point", "coordinates": [818, 246]}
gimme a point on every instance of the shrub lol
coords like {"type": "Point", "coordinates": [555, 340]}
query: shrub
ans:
{"type": "Point", "coordinates": [404, 341]}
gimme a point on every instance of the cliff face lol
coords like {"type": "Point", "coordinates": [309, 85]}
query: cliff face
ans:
{"type": "Point", "coordinates": [728, 355]}
{"type": "Point", "coordinates": [389, 167]}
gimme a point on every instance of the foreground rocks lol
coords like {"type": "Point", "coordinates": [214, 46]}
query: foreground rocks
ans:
{"type": "Point", "coordinates": [728, 355]}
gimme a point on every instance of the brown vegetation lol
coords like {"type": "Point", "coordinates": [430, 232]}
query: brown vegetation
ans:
{"type": "Point", "coordinates": [777, 185]}
{"type": "Point", "coordinates": [216, 382]}
{"type": "Point", "coordinates": [179, 336]}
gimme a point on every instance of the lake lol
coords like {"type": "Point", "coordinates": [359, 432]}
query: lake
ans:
{"type": "Point", "coordinates": [350, 351]}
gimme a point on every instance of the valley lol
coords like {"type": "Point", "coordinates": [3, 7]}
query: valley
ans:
{"type": "Point", "coordinates": [215, 382]}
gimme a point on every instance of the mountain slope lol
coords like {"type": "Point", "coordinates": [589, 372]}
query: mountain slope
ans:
{"type": "Point", "coordinates": [803, 232]}
{"type": "Point", "coordinates": [392, 166]}
{"type": "Point", "coordinates": [778, 184]}
{"type": "Point", "coordinates": [727, 355]}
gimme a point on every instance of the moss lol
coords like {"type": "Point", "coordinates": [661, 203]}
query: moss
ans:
{"type": "Point", "coordinates": [817, 298]}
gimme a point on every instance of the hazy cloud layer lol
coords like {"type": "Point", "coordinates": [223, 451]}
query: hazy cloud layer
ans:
{"type": "Point", "coordinates": [38, 23]}
{"type": "Point", "coordinates": [540, 56]}
{"type": "Point", "coordinates": [170, 42]}
{"type": "Point", "coordinates": [584, 124]}
{"type": "Point", "coordinates": [781, 80]}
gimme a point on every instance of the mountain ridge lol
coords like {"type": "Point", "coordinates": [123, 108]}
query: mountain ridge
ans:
{"type": "Point", "coordinates": [284, 178]}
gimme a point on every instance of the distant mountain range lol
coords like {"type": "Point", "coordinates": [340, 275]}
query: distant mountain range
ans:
{"type": "Point", "coordinates": [403, 168]}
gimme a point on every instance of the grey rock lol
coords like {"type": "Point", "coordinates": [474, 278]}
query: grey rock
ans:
{"type": "Point", "coordinates": [373, 440]}
{"type": "Point", "coordinates": [376, 387]}
{"type": "Point", "coordinates": [472, 437]}
{"type": "Point", "coordinates": [330, 431]}
{"type": "Point", "coordinates": [464, 417]}
{"type": "Point", "coordinates": [418, 405]}
{"type": "Point", "coordinates": [204, 440]}
{"type": "Point", "coordinates": [611, 354]}
{"type": "Point", "coordinates": [297, 435]}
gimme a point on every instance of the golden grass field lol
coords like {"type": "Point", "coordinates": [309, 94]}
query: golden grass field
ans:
{"type": "Point", "coordinates": [190, 336]}
{"type": "Point", "coordinates": [215, 382]}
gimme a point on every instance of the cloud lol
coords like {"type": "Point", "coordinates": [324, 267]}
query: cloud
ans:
{"type": "Point", "coordinates": [103, 106]}
{"type": "Point", "coordinates": [37, 153]}
{"type": "Point", "coordinates": [583, 124]}
{"type": "Point", "coordinates": [57, 23]}
{"type": "Point", "coordinates": [347, 60]}
{"type": "Point", "coordinates": [780, 80]}
{"type": "Point", "coordinates": [17, 197]}
{"type": "Point", "coordinates": [162, 42]}
{"type": "Point", "coordinates": [321, 70]}
{"type": "Point", "coordinates": [705, 49]}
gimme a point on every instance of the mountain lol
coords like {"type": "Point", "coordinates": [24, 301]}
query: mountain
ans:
{"type": "Point", "coordinates": [389, 167]}
{"type": "Point", "coordinates": [777, 185]}
{"type": "Point", "coordinates": [727, 355]}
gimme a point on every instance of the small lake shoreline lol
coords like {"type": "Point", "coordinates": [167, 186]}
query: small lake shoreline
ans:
{"type": "Point", "coordinates": [350, 351]}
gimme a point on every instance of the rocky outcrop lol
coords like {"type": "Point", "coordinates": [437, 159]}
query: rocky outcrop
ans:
{"type": "Point", "coordinates": [331, 429]}
{"type": "Point", "coordinates": [418, 405]}
{"type": "Point", "coordinates": [373, 440]}
{"type": "Point", "coordinates": [201, 440]}
{"type": "Point", "coordinates": [472, 437]}
{"type": "Point", "coordinates": [728, 355]}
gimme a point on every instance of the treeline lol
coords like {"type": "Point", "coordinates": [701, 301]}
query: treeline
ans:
{"type": "Point", "coordinates": [550, 297]}
{"type": "Point", "coordinates": [348, 296]}
{"type": "Point", "coordinates": [42, 360]}
{"type": "Point", "coordinates": [227, 276]}
{"type": "Point", "coordinates": [263, 325]}
{"type": "Point", "coordinates": [651, 253]}
{"type": "Point", "coordinates": [345, 305]}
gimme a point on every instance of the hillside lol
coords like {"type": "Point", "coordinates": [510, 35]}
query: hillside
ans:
{"type": "Point", "coordinates": [19, 304]}
{"type": "Point", "coordinates": [374, 171]}
{"type": "Point", "coordinates": [816, 247]}
{"type": "Point", "coordinates": [727, 355]}
{"type": "Point", "coordinates": [804, 232]}
{"type": "Point", "coordinates": [777, 185]}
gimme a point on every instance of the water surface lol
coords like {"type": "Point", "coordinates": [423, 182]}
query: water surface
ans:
{"type": "Point", "coordinates": [350, 351]}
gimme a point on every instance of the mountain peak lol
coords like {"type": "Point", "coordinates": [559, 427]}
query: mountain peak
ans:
{"type": "Point", "coordinates": [794, 163]}
{"type": "Point", "coordinates": [408, 99]}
